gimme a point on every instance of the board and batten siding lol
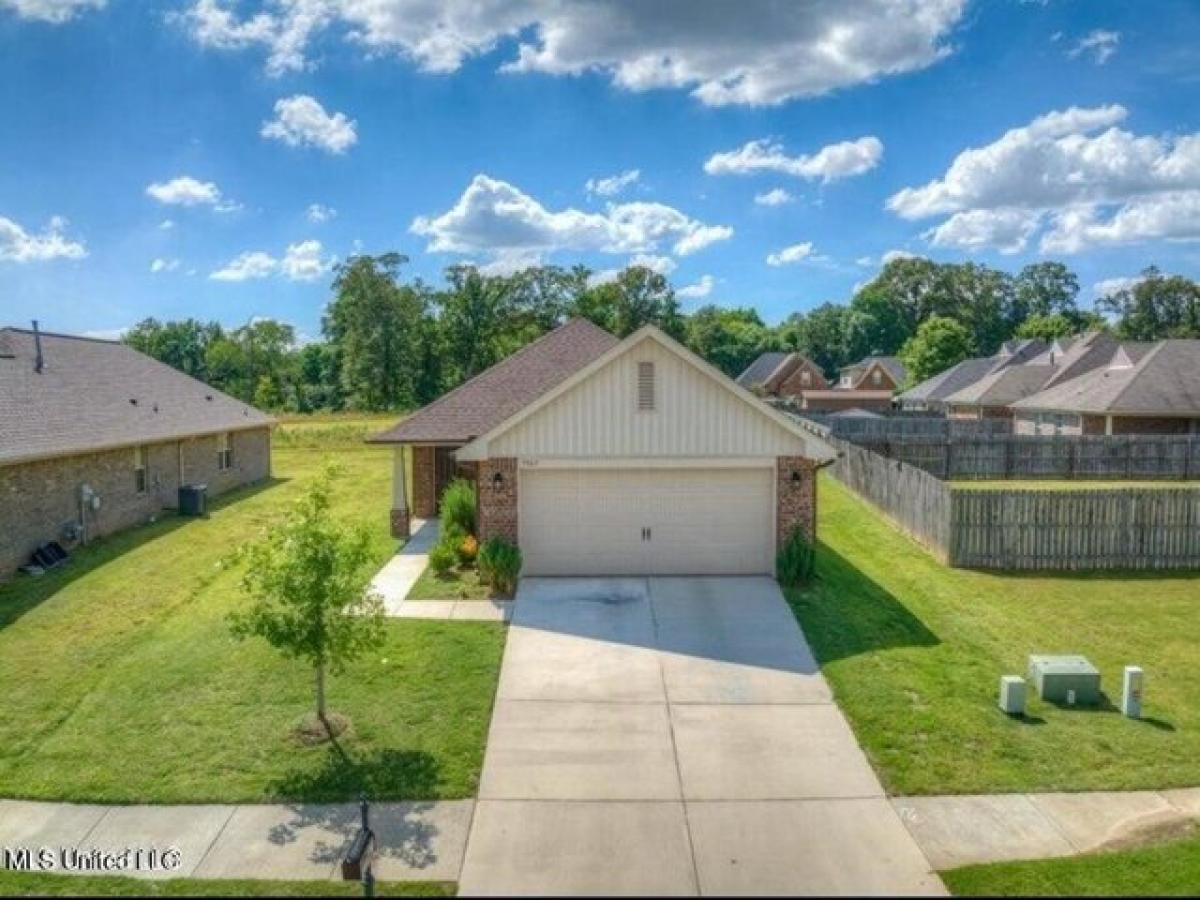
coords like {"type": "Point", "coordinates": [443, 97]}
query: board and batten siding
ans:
{"type": "Point", "coordinates": [693, 416]}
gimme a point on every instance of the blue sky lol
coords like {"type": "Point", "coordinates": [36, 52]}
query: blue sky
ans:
{"type": "Point", "coordinates": [200, 133]}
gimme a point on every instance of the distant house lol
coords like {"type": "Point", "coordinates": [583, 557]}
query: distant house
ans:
{"type": "Point", "coordinates": [867, 384]}
{"type": "Point", "coordinates": [95, 437]}
{"type": "Point", "coordinates": [1089, 384]}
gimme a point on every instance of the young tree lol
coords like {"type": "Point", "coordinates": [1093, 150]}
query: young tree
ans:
{"type": "Point", "coordinates": [307, 586]}
{"type": "Point", "coordinates": [939, 343]}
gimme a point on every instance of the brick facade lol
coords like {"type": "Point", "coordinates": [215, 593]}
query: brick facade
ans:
{"type": "Point", "coordinates": [424, 494]}
{"type": "Point", "coordinates": [39, 500]}
{"type": "Point", "coordinates": [795, 382]}
{"type": "Point", "coordinates": [795, 500]}
{"type": "Point", "coordinates": [497, 501]}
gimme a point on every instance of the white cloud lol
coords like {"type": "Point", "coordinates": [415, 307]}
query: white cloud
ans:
{"type": "Point", "coordinates": [318, 213]}
{"type": "Point", "coordinates": [107, 334]}
{"type": "Point", "coordinates": [1098, 44]}
{"type": "Point", "coordinates": [663, 265]}
{"type": "Point", "coordinates": [247, 266]}
{"type": "Point", "coordinates": [834, 161]}
{"type": "Point", "coordinates": [757, 52]}
{"type": "Point", "coordinates": [699, 289]}
{"type": "Point", "coordinates": [53, 11]}
{"type": "Point", "coordinates": [495, 217]}
{"type": "Point", "coordinates": [613, 185]}
{"type": "Point", "coordinates": [896, 254]}
{"type": "Point", "coordinates": [19, 246]}
{"type": "Point", "coordinates": [166, 224]}
{"type": "Point", "coordinates": [1075, 170]}
{"type": "Point", "coordinates": [865, 261]}
{"type": "Point", "coordinates": [164, 265]}
{"type": "Point", "coordinates": [301, 261]}
{"type": "Point", "coordinates": [775, 197]}
{"type": "Point", "coordinates": [1109, 286]}
{"type": "Point", "coordinates": [510, 263]}
{"type": "Point", "coordinates": [793, 254]}
{"type": "Point", "coordinates": [188, 191]}
{"type": "Point", "coordinates": [301, 121]}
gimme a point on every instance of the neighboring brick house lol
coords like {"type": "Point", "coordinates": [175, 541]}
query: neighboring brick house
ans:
{"type": "Point", "coordinates": [866, 385]}
{"type": "Point", "coordinates": [96, 437]}
{"type": "Point", "coordinates": [621, 457]}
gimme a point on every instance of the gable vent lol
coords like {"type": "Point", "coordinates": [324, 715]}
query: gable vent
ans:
{"type": "Point", "coordinates": [645, 386]}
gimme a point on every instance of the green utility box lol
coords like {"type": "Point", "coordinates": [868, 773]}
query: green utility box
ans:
{"type": "Point", "coordinates": [1070, 680]}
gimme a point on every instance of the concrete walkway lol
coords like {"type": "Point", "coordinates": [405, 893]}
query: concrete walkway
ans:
{"type": "Point", "coordinates": [398, 575]}
{"type": "Point", "coordinates": [674, 736]}
{"type": "Point", "coordinates": [959, 831]}
{"type": "Point", "coordinates": [417, 841]}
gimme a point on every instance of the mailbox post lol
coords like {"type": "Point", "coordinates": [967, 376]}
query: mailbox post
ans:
{"type": "Point", "coordinates": [361, 855]}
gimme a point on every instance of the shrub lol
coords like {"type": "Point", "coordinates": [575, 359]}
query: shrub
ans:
{"type": "Point", "coordinates": [458, 506]}
{"type": "Point", "coordinates": [795, 561]}
{"type": "Point", "coordinates": [442, 559]}
{"type": "Point", "coordinates": [500, 565]}
{"type": "Point", "coordinates": [468, 549]}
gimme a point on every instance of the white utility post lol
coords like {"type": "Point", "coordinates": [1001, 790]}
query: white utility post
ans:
{"type": "Point", "coordinates": [1131, 692]}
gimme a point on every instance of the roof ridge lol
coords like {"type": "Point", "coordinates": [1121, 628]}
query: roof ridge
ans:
{"type": "Point", "coordinates": [1138, 369]}
{"type": "Point", "coordinates": [59, 334]}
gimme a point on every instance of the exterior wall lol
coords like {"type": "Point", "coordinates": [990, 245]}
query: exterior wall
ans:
{"type": "Point", "coordinates": [1075, 425]}
{"type": "Point", "coordinates": [796, 502]}
{"type": "Point", "coordinates": [1094, 425]}
{"type": "Point", "coordinates": [1154, 425]}
{"type": "Point", "coordinates": [977, 412]}
{"type": "Point", "coordinates": [794, 383]}
{"type": "Point", "coordinates": [39, 499]}
{"type": "Point", "coordinates": [850, 400]}
{"type": "Point", "coordinates": [424, 494]}
{"type": "Point", "coordinates": [497, 503]}
{"type": "Point", "coordinates": [694, 415]}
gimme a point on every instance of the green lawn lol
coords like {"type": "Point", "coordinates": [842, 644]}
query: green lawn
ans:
{"type": "Point", "coordinates": [457, 584]}
{"type": "Point", "coordinates": [915, 650]}
{"type": "Point", "coordinates": [1167, 870]}
{"type": "Point", "coordinates": [1050, 485]}
{"type": "Point", "coordinates": [122, 684]}
{"type": "Point", "coordinates": [23, 884]}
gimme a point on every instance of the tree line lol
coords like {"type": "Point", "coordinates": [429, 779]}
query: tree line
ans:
{"type": "Point", "coordinates": [391, 342]}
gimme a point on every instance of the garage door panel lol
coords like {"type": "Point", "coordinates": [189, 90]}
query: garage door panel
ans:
{"type": "Point", "coordinates": [701, 521]}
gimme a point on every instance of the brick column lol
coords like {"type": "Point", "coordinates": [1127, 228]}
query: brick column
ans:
{"type": "Point", "coordinates": [497, 499]}
{"type": "Point", "coordinates": [424, 498]}
{"type": "Point", "coordinates": [795, 498]}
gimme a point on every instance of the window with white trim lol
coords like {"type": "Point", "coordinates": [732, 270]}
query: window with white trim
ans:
{"type": "Point", "coordinates": [224, 451]}
{"type": "Point", "coordinates": [877, 377]}
{"type": "Point", "coordinates": [806, 378]}
{"type": "Point", "coordinates": [645, 386]}
{"type": "Point", "coordinates": [139, 469]}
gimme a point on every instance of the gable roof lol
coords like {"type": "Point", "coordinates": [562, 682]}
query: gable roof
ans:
{"type": "Point", "coordinates": [1002, 387]}
{"type": "Point", "coordinates": [761, 370]}
{"type": "Point", "coordinates": [891, 364]}
{"type": "Point", "coordinates": [82, 400]}
{"type": "Point", "coordinates": [477, 449]}
{"type": "Point", "coordinates": [1164, 380]}
{"type": "Point", "coordinates": [482, 402]}
{"type": "Point", "coordinates": [939, 388]}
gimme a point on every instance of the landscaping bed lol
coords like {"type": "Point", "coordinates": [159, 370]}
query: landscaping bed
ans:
{"type": "Point", "coordinates": [123, 683]}
{"type": "Point", "coordinates": [456, 584]}
{"type": "Point", "coordinates": [914, 651]}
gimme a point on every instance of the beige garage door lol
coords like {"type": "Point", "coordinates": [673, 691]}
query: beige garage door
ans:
{"type": "Point", "coordinates": [647, 521]}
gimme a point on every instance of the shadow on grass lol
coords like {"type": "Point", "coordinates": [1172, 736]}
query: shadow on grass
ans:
{"type": "Point", "coordinates": [845, 613]}
{"type": "Point", "coordinates": [25, 593]}
{"type": "Point", "coordinates": [381, 774]}
{"type": "Point", "coordinates": [1106, 706]}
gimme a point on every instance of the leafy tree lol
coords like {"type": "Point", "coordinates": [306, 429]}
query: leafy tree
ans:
{"type": "Point", "coordinates": [1044, 289]}
{"type": "Point", "coordinates": [375, 324]}
{"type": "Point", "coordinates": [819, 335]}
{"type": "Point", "coordinates": [940, 342]}
{"type": "Point", "coordinates": [637, 296]}
{"type": "Point", "coordinates": [1048, 327]}
{"type": "Point", "coordinates": [730, 339]}
{"type": "Point", "coordinates": [183, 344]}
{"type": "Point", "coordinates": [1157, 306]}
{"type": "Point", "coordinates": [983, 300]}
{"type": "Point", "coordinates": [875, 324]}
{"type": "Point", "coordinates": [476, 323]}
{"type": "Point", "coordinates": [307, 585]}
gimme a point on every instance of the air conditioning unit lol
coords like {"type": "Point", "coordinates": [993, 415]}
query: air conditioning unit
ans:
{"type": "Point", "coordinates": [1012, 695]}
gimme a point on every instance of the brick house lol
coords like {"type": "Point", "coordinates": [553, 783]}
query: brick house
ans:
{"type": "Point", "coordinates": [867, 384]}
{"type": "Point", "coordinates": [598, 456]}
{"type": "Point", "coordinates": [96, 437]}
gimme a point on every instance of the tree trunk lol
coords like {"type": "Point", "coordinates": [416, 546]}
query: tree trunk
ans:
{"type": "Point", "coordinates": [321, 693]}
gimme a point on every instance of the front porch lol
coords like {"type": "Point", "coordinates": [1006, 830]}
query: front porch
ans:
{"type": "Point", "coordinates": [420, 472]}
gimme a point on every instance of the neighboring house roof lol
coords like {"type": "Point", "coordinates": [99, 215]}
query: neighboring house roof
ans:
{"type": "Point", "coordinates": [891, 364]}
{"type": "Point", "coordinates": [478, 405]}
{"type": "Point", "coordinates": [1161, 380]}
{"type": "Point", "coordinates": [940, 387]}
{"type": "Point", "coordinates": [816, 448]}
{"type": "Point", "coordinates": [760, 371]}
{"type": "Point", "coordinates": [1003, 387]}
{"type": "Point", "coordinates": [83, 399]}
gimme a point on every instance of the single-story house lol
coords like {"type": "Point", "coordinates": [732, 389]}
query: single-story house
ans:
{"type": "Point", "coordinates": [867, 384]}
{"type": "Point", "coordinates": [605, 457]}
{"type": "Point", "coordinates": [932, 394]}
{"type": "Point", "coordinates": [96, 437]}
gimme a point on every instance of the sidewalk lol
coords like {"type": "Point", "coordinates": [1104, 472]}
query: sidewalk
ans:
{"type": "Point", "coordinates": [422, 841]}
{"type": "Point", "coordinates": [960, 831]}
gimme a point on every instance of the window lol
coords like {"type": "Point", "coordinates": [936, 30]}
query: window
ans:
{"type": "Point", "coordinates": [645, 386]}
{"type": "Point", "coordinates": [876, 378]}
{"type": "Point", "coordinates": [224, 452]}
{"type": "Point", "coordinates": [139, 469]}
{"type": "Point", "coordinates": [806, 378]}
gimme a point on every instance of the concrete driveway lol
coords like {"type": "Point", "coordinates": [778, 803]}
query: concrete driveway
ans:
{"type": "Point", "coordinates": [675, 736]}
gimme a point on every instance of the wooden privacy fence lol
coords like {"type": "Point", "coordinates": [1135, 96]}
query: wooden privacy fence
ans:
{"type": "Point", "coordinates": [1127, 528]}
{"type": "Point", "coordinates": [895, 428]}
{"type": "Point", "coordinates": [1135, 456]}
{"type": "Point", "coordinates": [1148, 528]}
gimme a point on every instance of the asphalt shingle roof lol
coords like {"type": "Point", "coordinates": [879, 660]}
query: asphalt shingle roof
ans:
{"type": "Point", "coordinates": [83, 399]}
{"type": "Point", "coordinates": [761, 369]}
{"type": "Point", "coordinates": [480, 404]}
